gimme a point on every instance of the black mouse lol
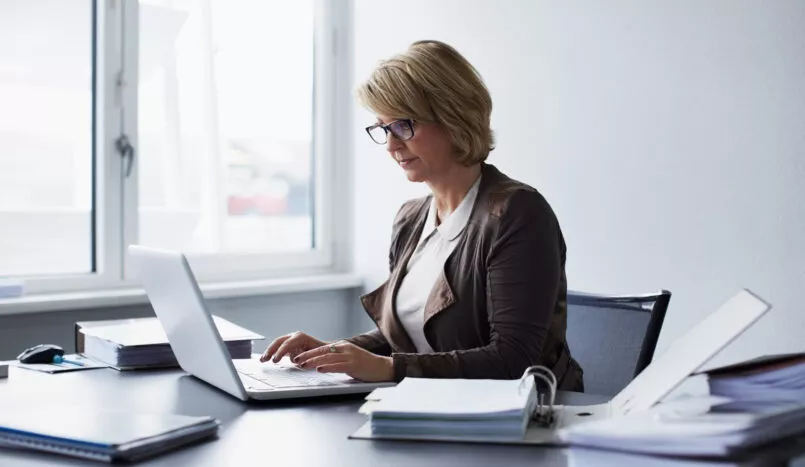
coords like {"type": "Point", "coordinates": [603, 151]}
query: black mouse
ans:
{"type": "Point", "coordinates": [42, 353]}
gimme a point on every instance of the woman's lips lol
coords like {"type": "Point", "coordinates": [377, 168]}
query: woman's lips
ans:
{"type": "Point", "coordinates": [406, 162]}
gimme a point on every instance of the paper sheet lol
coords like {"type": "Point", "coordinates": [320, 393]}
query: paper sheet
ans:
{"type": "Point", "coordinates": [88, 364]}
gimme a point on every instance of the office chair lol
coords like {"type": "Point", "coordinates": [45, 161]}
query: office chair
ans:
{"type": "Point", "coordinates": [613, 336]}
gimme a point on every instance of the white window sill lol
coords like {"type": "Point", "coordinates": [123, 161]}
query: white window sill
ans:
{"type": "Point", "coordinates": [124, 297]}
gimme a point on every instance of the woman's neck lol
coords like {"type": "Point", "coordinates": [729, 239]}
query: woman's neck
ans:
{"type": "Point", "coordinates": [450, 189]}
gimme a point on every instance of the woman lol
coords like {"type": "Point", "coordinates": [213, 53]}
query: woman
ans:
{"type": "Point", "coordinates": [477, 283]}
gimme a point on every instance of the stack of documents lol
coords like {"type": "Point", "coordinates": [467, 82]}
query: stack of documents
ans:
{"type": "Point", "coordinates": [696, 426]}
{"type": "Point", "coordinates": [99, 435]}
{"type": "Point", "coordinates": [142, 343]}
{"type": "Point", "coordinates": [776, 377]}
{"type": "Point", "coordinates": [454, 408]}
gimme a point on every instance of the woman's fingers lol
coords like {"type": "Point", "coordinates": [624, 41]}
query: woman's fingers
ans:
{"type": "Point", "coordinates": [326, 359]}
{"type": "Point", "coordinates": [273, 347]}
{"type": "Point", "coordinates": [341, 367]}
{"type": "Point", "coordinates": [318, 351]}
{"type": "Point", "coordinates": [291, 344]}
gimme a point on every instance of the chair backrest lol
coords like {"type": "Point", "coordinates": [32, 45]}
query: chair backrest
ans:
{"type": "Point", "coordinates": [613, 337]}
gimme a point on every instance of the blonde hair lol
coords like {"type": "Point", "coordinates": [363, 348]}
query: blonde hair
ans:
{"type": "Point", "coordinates": [432, 83]}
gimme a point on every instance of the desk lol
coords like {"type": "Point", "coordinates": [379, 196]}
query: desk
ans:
{"type": "Point", "coordinates": [312, 432]}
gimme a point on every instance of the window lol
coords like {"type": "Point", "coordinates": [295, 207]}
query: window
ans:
{"type": "Point", "coordinates": [224, 105]}
{"type": "Point", "coordinates": [46, 153]}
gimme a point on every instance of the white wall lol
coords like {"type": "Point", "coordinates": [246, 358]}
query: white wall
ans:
{"type": "Point", "coordinates": [669, 137]}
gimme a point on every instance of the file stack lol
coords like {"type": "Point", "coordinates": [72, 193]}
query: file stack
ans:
{"type": "Point", "coordinates": [142, 343]}
{"type": "Point", "coordinates": [775, 377]}
{"type": "Point", "coordinates": [450, 409]}
{"type": "Point", "coordinates": [697, 426]}
{"type": "Point", "coordinates": [750, 404]}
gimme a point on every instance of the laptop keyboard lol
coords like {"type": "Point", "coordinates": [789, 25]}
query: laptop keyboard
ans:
{"type": "Point", "coordinates": [288, 377]}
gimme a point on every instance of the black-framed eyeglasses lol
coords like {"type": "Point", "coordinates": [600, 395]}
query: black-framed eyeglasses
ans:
{"type": "Point", "coordinates": [403, 130]}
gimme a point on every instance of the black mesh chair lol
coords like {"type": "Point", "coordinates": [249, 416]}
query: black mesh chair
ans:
{"type": "Point", "coordinates": [613, 336]}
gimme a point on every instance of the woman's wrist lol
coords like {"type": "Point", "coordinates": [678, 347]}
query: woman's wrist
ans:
{"type": "Point", "coordinates": [388, 366]}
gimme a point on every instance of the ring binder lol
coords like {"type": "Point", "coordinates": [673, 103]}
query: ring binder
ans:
{"type": "Point", "coordinates": [542, 414]}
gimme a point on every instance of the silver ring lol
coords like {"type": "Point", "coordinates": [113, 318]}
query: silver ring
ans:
{"type": "Point", "coordinates": [333, 348]}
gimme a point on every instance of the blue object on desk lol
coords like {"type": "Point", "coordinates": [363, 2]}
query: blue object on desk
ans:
{"type": "Point", "coordinates": [60, 359]}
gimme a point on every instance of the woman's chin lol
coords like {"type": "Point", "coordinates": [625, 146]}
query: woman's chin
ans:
{"type": "Point", "coordinates": [414, 176]}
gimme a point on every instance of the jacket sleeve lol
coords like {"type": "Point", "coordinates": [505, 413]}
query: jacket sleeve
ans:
{"type": "Point", "coordinates": [523, 271]}
{"type": "Point", "coordinates": [373, 340]}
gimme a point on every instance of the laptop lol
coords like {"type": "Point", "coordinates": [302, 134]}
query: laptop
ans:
{"type": "Point", "coordinates": [179, 305]}
{"type": "Point", "coordinates": [684, 357]}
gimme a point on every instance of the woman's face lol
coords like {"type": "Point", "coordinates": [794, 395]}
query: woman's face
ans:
{"type": "Point", "coordinates": [424, 157]}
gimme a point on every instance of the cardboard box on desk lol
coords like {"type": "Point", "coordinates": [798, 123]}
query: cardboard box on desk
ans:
{"type": "Point", "coordinates": [141, 343]}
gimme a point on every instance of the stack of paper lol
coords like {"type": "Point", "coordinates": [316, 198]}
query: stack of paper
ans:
{"type": "Point", "coordinates": [454, 408]}
{"type": "Point", "coordinates": [778, 377]}
{"type": "Point", "coordinates": [142, 343]}
{"type": "Point", "coordinates": [696, 426]}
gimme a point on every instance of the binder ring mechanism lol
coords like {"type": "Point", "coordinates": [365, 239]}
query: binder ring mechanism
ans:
{"type": "Point", "coordinates": [542, 413]}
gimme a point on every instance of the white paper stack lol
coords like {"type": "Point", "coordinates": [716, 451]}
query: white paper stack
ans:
{"type": "Point", "coordinates": [704, 426]}
{"type": "Point", "coordinates": [454, 408]}
{"type": "Point", "coordinates": [142, 343]}
{"type": "Point", "coordinates": [777, 377]}
{"type": "Point", "coordinates": [11, 288]}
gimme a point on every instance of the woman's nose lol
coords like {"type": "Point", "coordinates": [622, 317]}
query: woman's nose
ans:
{"type": "Point", "coordinates": [392, 143]}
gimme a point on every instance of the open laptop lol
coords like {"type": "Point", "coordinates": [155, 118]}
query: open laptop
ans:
{"type": "Point", "coordinates": [684, 357]}
{"type": "Point", "coordinates": [199, 349]}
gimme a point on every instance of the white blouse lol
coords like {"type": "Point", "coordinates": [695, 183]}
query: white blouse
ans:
{"type": "Point", "coordinates": [427, 263]}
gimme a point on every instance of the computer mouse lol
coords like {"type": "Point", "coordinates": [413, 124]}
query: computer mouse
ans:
{"type": "Point", "coordinates": [42, 353]}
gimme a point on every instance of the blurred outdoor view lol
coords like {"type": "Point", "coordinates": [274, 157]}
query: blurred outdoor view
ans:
{"type": "Point", "coordinates": [45, 136]}
{"type": "Point", "coordinates": [225, 129]}
{"type": "Point", "coordinates": [226, 99]}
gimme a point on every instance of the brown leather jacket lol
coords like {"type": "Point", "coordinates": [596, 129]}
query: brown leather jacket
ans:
{"type": "Point", "coordinates": [500, 304]}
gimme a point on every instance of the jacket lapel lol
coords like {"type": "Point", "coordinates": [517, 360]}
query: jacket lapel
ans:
{"type": "Point", "coordinates": [393, 327]}
{"type": "Point", "coordinates": [440, 297]}
{"type": "Point", "coordinates": [381, 303]}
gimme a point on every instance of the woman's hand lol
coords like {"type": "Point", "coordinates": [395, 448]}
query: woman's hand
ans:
{"type": "Point", "coordinates": [291, 345]}
{"type": "Point", "coordinates": [344, 357]}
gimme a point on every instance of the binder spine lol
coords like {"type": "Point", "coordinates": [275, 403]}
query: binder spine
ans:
{"type": "Point", "coordinates": [24, 442]}
{"type": "Point", "coordinates": [543, 414]}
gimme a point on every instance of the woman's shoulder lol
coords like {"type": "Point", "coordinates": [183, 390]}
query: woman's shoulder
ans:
{"type": "Point", "coordinates": [505, 195]}
{"type": "Point", "coordinates": [410, 210]}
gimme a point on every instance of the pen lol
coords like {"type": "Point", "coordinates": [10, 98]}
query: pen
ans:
{"type": "Point", "coordinates": [60, 359]}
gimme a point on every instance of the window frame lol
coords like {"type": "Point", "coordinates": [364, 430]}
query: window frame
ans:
{"type": "Point", "coordinates": [115, 195]}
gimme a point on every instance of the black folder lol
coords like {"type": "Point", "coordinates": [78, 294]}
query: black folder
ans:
{"type": "Point", "coordinates": [102, 435]}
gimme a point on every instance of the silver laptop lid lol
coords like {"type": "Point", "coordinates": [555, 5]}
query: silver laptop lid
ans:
{"type": "Point", "coordinates": [690, 352]}
{"type": "Point", "coordinates": [179, 305]}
